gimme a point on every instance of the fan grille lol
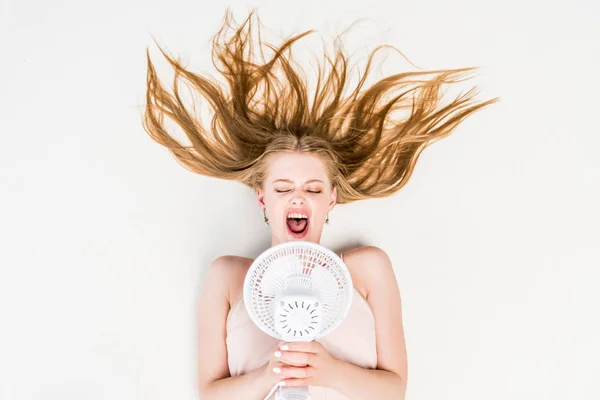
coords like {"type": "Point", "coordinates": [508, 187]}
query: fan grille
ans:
{"type": "Point", "coordinates": [306, 268]}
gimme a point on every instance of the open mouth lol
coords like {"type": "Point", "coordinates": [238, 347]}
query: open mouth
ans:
{"type": "Point", "coordinates": [297, 226]}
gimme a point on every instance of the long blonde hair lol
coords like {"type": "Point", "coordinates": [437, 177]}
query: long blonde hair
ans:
{"type": "Point", "coordinates": [367, 153]}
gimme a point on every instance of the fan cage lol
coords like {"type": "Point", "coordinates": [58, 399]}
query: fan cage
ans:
{"type": "Point", "coordinates": [299, 260]}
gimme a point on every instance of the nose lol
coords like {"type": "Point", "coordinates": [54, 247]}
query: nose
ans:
{"type": "Point", "coordinates": [297, 198]}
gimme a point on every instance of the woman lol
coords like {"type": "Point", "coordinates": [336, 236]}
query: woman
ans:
{"type": "Point", "coordinates": [302, 159]}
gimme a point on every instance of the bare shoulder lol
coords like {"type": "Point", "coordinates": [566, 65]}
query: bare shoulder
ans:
{"type": "Point", "coordinates": [230, 271]}
{"type": "Point", "coordinates": [214, 305]}
{"type": "Point", "coordinates": [383, 294]}
{"type": "Point", "coordinates": [368, 265]}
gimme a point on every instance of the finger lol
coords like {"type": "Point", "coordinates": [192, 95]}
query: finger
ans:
{"type": "Point", "coordinates": [298, 358]}
{"type": "Point", "coordinates": [296, 382]}
{"type": "Point", "coordinates": [306, 347]}
{"type": "Point", "coordinates": [279, 359]}
{"type": "Point", "coordinates": [285, 372]}
{"type": "Point", "coordinates": [295, 359]}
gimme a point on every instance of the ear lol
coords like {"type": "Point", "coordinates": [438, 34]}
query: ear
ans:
{"type": "Point", "coordinates": [333, 200]}
{"type": "Point", "coordinates": [260, 196]}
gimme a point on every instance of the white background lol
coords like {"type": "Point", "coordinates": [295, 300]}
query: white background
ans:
{"type": "Point", "coordinates": [105, 237]}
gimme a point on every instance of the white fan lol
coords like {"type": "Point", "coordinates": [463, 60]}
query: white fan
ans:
{"type": "Point", "coordinates": [297, 291]}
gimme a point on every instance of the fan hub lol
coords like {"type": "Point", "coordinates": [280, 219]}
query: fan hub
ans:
{"type": "Point", "coordinates": [298, 317]}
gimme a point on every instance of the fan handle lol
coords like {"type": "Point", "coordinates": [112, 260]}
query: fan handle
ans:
{"type": "Point", "coordinates": [297, 393]}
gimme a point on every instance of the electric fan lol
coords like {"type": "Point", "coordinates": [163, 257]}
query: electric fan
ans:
{"type": "Point", "coordinates": [297, 291]}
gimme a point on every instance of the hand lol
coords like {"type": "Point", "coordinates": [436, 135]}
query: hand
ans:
{"type": "Point", "coordinates": [270, 377]}
{"type": "Point", "coordinates": [305, 364]}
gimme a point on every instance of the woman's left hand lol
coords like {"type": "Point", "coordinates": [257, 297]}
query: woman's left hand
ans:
{"type": "Point", "coordinates": [307, 364]}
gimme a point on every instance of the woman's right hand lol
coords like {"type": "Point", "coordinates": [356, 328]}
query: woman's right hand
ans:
{"type": "Point", "coordinates": [272, 371]}
{"type": "Point", "coordinates": [271, 377]}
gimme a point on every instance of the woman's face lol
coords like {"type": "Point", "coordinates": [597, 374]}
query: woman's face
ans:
{"type": "Point", "coordinates": [296, 196]}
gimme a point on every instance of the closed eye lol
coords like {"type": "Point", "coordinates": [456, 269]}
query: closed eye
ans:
{"type": "Point", "coordinates": [309, 191]}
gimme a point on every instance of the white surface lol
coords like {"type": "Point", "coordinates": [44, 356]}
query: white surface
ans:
{"type": "Point", "coordinates": [105, 237]}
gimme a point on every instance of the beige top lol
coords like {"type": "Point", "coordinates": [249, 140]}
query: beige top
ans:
{"type": "Point", "coordinates": [249, 348]}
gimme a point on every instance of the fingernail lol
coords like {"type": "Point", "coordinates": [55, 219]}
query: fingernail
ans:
{"type": "Point", "coordinates": [277, 370]}
{"type": "Point", "coordinates": [277, 354]}
{"type": "Point", "coordinates": [285, 347]}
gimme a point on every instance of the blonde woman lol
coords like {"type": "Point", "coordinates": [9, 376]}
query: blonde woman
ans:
{"type": "Point", "coordinates": [302, 156]}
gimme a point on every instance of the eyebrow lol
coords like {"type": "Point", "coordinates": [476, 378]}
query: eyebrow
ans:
{"type": "Point", "coordinates": [290, 181]}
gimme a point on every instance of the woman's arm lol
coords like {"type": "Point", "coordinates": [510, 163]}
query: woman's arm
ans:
{"type": "Point", "coordinates": [251, 386]}
{"type": "Point", "coordinates": [214, 382]}
{"type": "Point", "coordinates": [389, 380]}
{"type": "Point", "coordinates": [360, 383]}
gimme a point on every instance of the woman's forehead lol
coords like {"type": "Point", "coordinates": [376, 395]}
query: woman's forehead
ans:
{"type": "Point", "coordinates": [287, 180]}
{"type": "Point", "coordinates": [297, 167]}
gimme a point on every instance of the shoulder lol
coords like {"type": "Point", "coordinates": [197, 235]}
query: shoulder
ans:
{"type": "Point", "coordinates": [386, 304]}
{"type": "Point", "coordinates": [229, 271]}
{"type": "Point", "coordinates": [370, 265]}
{"type": "Point", "coordinates": [227, 262]}
{"type": "Point", "coordinates": [371, 253]}
{"type": "Point", "coordinates": [370, 260]}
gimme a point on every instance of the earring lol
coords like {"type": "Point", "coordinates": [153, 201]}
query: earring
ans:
{"type": "Point", "coordinates": [266, 219]}
{"type": "Point", "coordinates": [327, 220]}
